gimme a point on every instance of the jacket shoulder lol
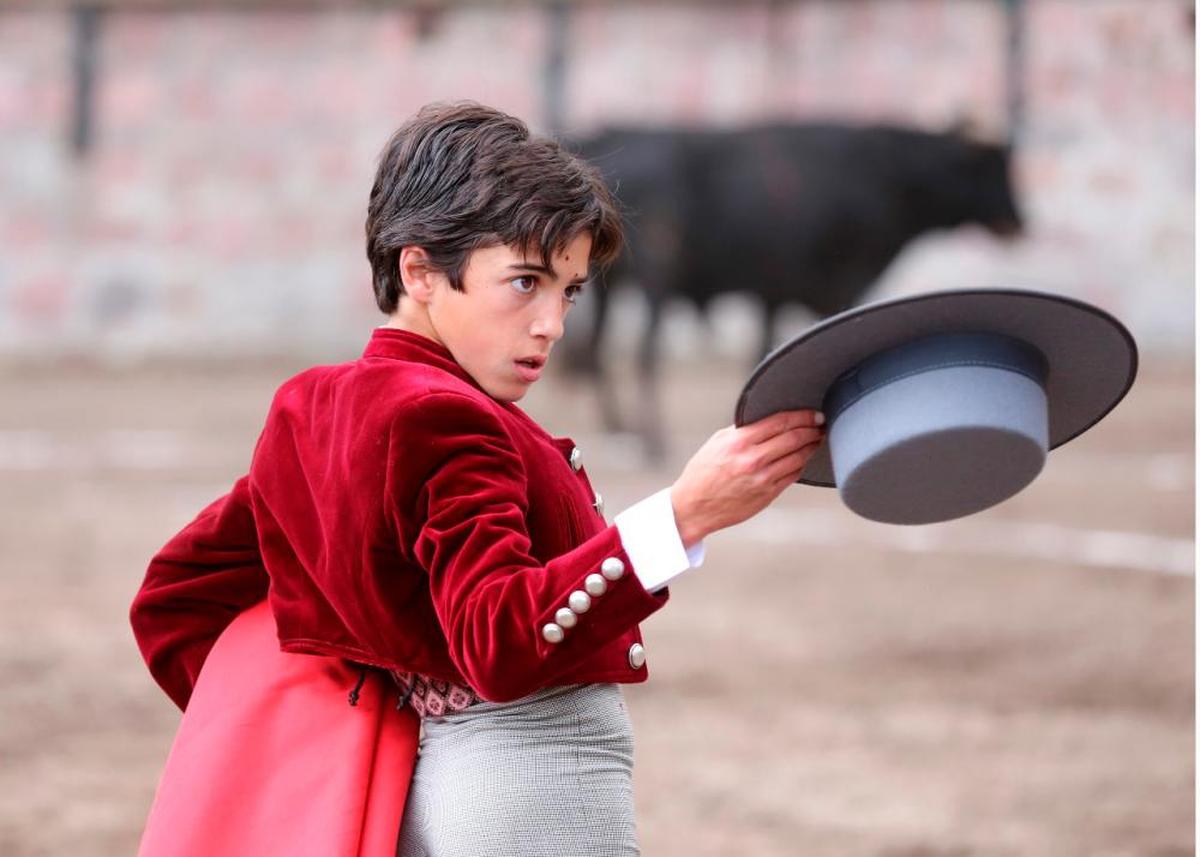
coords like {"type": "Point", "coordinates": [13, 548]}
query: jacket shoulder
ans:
{"type": "Point", "coordinates": [388, 384]}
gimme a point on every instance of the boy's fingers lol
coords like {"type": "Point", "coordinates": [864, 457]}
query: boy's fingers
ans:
{"type": "Point", "coordinates": [782, 421]}
{"type": "Point", "coordinates": [782, 444]}
{"type": "Point", "coordinates": [789, 467]}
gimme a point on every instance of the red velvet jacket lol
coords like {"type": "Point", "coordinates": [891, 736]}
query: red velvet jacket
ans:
{"type": "Point", "coordinates": [401, 518]}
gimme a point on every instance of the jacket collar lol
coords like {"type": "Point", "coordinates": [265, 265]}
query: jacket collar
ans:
{"type": "Point", "coordinates": [397, 344]}
{"type": "Point", "coordinates": [405, 345]}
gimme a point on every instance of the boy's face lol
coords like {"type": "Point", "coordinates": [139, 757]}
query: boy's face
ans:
{"type": "Point", "coordinates": [502, 326]}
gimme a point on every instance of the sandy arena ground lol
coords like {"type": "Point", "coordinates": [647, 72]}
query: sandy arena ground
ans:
{"type": "Point", "coordinates": [1016, 683]}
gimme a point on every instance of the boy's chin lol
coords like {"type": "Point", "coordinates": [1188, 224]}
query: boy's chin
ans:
{"type": "Point", "coordinates": [511, 392]}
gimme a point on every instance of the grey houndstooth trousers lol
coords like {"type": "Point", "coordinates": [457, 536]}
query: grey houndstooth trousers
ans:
{"type": "Point", "coordinates": [550, 775]}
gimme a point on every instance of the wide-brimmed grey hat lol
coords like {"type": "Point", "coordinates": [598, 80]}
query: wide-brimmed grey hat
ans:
{"type": "Point", "coordinates": [943, 404]}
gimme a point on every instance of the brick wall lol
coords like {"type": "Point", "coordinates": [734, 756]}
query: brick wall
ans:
{"type": "Point", "coordinates": [220, 206]}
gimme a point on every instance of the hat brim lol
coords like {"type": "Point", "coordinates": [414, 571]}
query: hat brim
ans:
{"type": "Point", "coordinates": [1092, 357]}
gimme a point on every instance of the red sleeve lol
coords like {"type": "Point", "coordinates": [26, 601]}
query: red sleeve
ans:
{"type": "Point", "coordinates": [205, 575]}
{"type": "Point", "coordinates": [492, 596]}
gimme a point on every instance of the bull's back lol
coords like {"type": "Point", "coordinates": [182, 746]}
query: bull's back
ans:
{"type": "Point", "coordinates": [764, 209]}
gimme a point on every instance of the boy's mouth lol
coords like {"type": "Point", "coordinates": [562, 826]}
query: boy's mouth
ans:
{"type": "Point", "coordinates": [530, 368]}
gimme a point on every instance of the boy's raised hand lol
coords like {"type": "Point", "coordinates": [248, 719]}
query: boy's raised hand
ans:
{"type": "Point", "coordinates": [739, 471]}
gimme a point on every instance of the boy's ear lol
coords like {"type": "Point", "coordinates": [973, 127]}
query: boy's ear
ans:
{"type": "Point", "coordinates": [418, 274]}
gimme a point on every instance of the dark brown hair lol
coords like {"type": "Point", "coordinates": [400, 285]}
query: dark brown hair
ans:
{"type": "Point", "coordinates": [461, 176]}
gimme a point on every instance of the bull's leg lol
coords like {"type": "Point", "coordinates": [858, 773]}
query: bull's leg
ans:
{"type": "Point", "coordinates": [653, 430]}
{"type": "Point", "coordinates": [767, 334]}
{"type": "Point", "coordinates": [610, 414]}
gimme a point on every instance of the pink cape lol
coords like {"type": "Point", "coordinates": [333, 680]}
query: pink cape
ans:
{"type": "Point", "coordinates": [270, 758]}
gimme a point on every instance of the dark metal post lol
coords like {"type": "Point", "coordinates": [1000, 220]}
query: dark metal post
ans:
{"type": "Point", "coordinates": [554, 71]}
{"type": "Point", "coordinates": [84, 46]}
{"type": "Point", "coordinates": [1015, 67]}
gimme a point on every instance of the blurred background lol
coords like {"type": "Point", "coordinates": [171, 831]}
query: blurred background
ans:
{"type": "Point", "coordinates": [182, 194]}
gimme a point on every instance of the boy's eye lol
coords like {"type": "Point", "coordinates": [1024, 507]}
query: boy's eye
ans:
{"type": "Point", "coordinates": [572, 293]}
{"type": "Point", "coordinates": [525, 285]}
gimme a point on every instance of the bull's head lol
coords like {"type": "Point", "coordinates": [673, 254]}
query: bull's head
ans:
{"type": "Point", "coordinates": [990, 168]}
{"type": "Point", "coordinates": [986, 163]}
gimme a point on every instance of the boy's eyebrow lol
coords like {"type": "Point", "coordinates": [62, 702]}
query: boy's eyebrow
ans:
{"type": "Point", "coordinates": [542, 269]}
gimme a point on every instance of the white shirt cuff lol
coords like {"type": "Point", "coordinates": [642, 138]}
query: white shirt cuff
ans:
{"type": "Point", "coordinates": [651, 538]}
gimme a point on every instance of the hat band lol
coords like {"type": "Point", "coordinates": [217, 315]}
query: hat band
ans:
{"type": "Point", "coordinates": [938, 351]}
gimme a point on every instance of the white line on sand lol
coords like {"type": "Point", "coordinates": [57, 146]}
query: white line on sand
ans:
{"type": "Point", "coordinates": [32, 451]}
{"type": "Point", "coordinates": [1013, 539]}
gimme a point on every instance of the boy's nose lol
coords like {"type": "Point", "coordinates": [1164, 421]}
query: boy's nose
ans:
{"type": "Point", "coordinates": [548, 324]}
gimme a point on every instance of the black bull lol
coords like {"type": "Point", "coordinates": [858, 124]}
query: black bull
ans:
{"type": "Point", "coordinates": [810, 214]}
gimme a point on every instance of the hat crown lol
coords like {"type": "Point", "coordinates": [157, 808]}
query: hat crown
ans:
{"type": "Point", "coordinates": [938, 428]}
{"type": "Point", "coordinates": [935, 351]}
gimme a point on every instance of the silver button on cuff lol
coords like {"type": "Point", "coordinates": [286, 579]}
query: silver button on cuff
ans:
{"type": "Point", "coordinates": [595, 584]}
{"type": "Point", "coordinates": [612, 568]}
{"type": "Point", "coordinates": [553, 633]}
{"type": "Point", "coordinates": [598, 504]}
{"type": "Point", "coordinates": [579, 601]}
{"type": "Point", "coordinates": [566, 618]}
{"type": "Point", "coordinates": [576, 459]}
{"type": "Point", "coordinates": [637, 656]}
